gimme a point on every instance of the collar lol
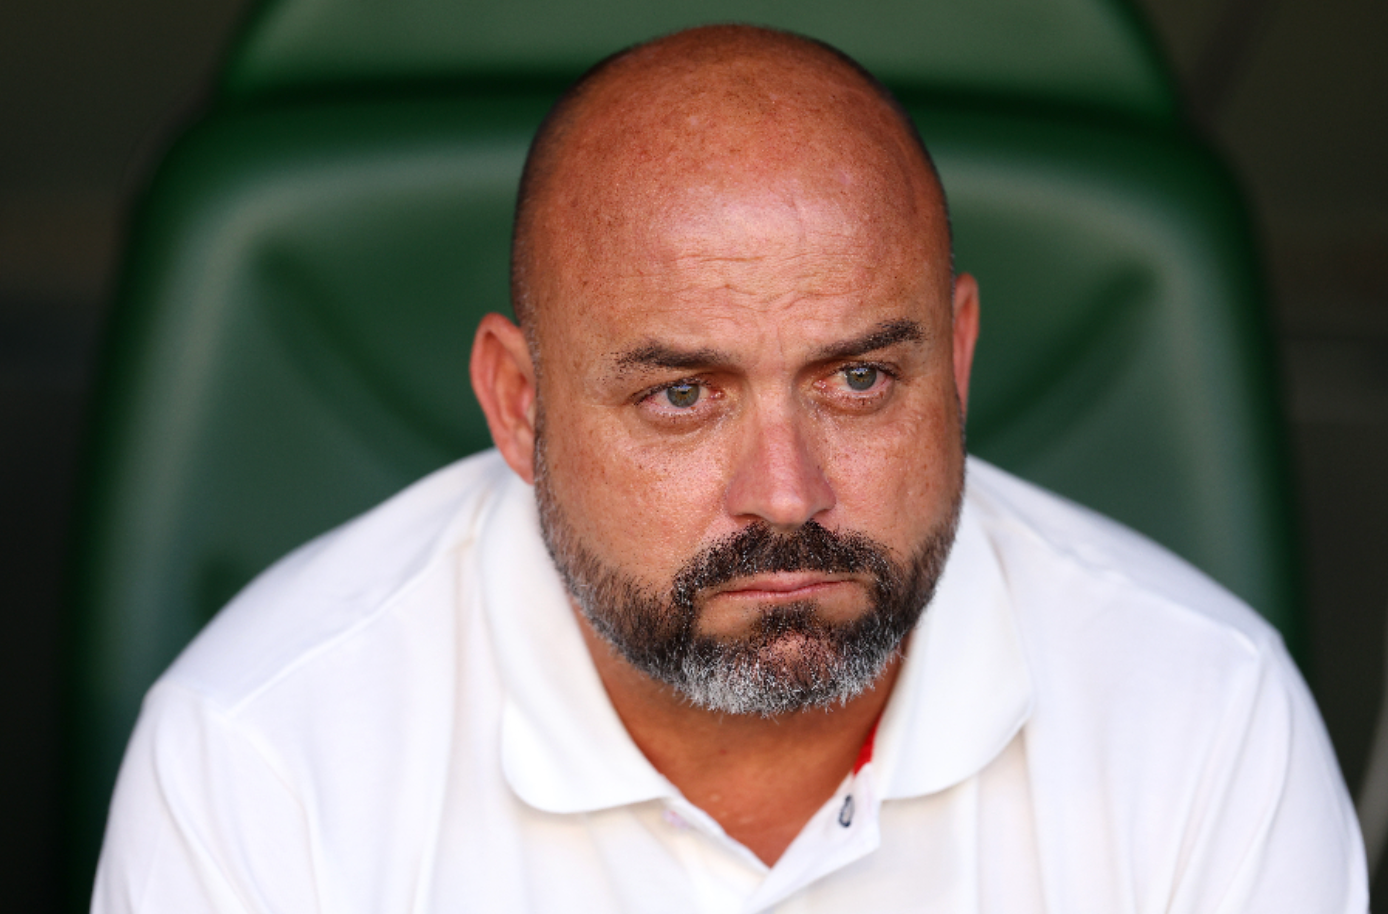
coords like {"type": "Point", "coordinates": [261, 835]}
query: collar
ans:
{"type": "Point", "coordinates": [963, 693]}
{"type": "Point", "coordinates": [563, 748]}
{"type": "Point", "coordinates": [964, 690]}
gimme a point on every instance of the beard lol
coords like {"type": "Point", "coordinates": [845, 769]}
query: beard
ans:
{"type": "Point", "coordinates": [791, 658]}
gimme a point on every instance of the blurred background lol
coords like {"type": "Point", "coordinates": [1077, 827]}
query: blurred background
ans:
{"type": "Point", "coordinates": [1292, 93]}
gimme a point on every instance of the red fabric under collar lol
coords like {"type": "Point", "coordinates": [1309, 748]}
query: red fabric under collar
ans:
{"type": "Point", "coordinates": [865, 753]}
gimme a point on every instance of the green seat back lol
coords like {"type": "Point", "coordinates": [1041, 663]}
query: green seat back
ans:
{"type": "Point", "coordinates": [291, 337]}
{"type": "Point", "coordinates": [1090, 53]}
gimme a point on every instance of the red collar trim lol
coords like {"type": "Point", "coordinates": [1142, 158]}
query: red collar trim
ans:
{"type": "Point", "coordinates": [865, 753]}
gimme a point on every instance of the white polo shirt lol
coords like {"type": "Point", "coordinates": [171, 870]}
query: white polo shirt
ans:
{"type": "Point", "coordinates": [402, 717]}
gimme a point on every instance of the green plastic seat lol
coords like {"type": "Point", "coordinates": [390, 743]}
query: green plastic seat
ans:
{"type": "Point", "coordinates": [1087, 53]}
{"type": "Point", "coordinates": [291, 338]}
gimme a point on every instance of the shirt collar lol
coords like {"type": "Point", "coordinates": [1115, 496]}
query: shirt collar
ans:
{"type": "Point", "coordinates": [963, 693]}
{"type": "Point", "coordinates": [964, 690]}
{"type": "Point", "coordinates": [563, 748]}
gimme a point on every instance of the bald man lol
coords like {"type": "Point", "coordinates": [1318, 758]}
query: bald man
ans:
{"type": "Point", "coordinates": [719, 625]}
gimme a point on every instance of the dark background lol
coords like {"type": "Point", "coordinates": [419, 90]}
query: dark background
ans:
{"type": "Point", "coordinates": [1293, 93]}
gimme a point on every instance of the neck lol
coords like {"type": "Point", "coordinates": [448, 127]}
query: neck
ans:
{"type": "Point", "coordinates": [760, 778]}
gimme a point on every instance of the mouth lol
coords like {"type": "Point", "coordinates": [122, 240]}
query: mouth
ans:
{"type": "Point", "coordinates": [785, 586]}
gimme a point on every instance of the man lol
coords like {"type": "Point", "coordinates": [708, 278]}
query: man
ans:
{"type": "Point", "coordinates": [779, 655]}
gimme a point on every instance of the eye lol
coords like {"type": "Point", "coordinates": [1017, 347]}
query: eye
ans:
{"type": "Point", "coordinates": [861, 386]}
{"type": "Point", "coordinates": [860, 377]}
{"type": "Point", "coordinates": [683, 394]}
{"type": "Point", "coordinates": [679, 403]}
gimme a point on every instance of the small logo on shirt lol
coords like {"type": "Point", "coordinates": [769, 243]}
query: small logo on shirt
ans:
{"type": "Point", "coordinates": [846, 813]}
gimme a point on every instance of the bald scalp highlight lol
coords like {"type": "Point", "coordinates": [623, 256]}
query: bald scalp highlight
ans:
{"type": "Point", "coordinates": [680, 54]}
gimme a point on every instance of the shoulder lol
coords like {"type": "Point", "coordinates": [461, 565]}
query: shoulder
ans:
{"type": "Point", "coordinates": [356, 661]}
{"type": "Point", "coordinates": [1044, 540]}
{"type": "Point", "coordinates": [1167, 715]}
{"type": "Point", "coordinates": [1148, 676]}
{"type": "Point", "coordinates": [1124, 641]}
{"type": "Point", "coordinates": [372, 572]}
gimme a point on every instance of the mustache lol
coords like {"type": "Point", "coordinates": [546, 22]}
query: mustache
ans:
{"type": "Point", "coordinates": [757, 549]}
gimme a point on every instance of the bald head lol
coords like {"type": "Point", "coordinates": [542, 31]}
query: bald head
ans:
{"type": "Point", "coordinates": [687, 132]}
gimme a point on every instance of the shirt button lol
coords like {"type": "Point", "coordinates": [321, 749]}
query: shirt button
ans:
{"type": "Point", "coordinates": [846, 813]}
{"type": "Point", "coordinates": [674, 819]}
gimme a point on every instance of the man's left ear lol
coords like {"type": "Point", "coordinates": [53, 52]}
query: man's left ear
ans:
{"type": "Point", "coordinates": [503, 377]}
{"type": "Point", "coordinates": [965, 309]}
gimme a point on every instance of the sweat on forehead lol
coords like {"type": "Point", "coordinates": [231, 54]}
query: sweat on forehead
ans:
{"type": "Point", "coordinates": [689, 131]}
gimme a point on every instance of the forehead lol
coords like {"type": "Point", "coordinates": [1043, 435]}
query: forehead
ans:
{"type": "Point", "coordinates": [755, 271]}
{"type": "Point", "coordinates": [765, 240]}
{"type": "Point", "coordinates": [744, 183]}
{"type": "Point", "coordinates": [774, 283]}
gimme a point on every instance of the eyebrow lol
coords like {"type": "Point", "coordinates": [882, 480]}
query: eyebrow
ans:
{"type": "Point", "coordinates": [887, 333]}
{"type": "Point", "coordinates": [659, 355]}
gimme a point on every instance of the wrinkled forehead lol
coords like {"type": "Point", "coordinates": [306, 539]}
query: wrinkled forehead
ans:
{"type": "Point", "coordinates": [726, 155]}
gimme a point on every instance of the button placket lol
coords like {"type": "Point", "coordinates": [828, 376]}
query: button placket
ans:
{"type": "Point", "coordinates": [844, 830]}
{"type": "Point", "coordinates": [723, 873]}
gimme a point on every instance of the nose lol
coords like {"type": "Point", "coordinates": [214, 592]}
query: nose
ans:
{"type": "Point", "coordinates": [776, 476]}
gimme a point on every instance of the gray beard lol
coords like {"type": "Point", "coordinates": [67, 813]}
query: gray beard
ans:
{"type": "Point", "coordinates": [792, 659]}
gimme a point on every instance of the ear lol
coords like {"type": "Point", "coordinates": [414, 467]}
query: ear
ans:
{"type": "Point", "coordinates": [965, 307]}
{"type": "Point", "coordinates": [503, 378]}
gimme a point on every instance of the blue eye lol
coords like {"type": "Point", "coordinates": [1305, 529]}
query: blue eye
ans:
{"type": "Point", "coordinates": [682, 395]}
{"type": "Point", "coordinates": [860, 377]}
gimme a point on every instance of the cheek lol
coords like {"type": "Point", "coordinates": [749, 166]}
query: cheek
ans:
{"type": "Point", "coordinates": [897, 479]}
{"type": "Point", "coordinates": [644, 507]}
